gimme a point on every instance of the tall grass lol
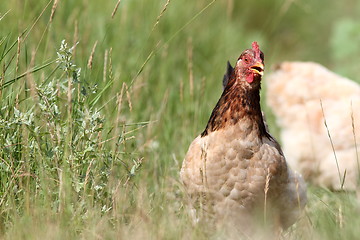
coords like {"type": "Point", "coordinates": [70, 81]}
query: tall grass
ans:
{"type": "Point", "coordinates": [93, 129]}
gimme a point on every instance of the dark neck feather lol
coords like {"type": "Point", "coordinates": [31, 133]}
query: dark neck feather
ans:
{"type": "Point", "coordinates": [236, 102]}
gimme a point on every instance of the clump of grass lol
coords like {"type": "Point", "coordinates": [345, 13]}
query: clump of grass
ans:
{"type": "Point", "coordinates": [55, 152]}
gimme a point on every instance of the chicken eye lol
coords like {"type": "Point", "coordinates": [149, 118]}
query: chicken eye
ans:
{"type": "Point", "coordinates": [262, 56]}
{"type": "Point", "coordinates": [246, 60]}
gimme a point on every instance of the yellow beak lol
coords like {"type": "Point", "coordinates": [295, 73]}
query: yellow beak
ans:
{"type": "Point", "coordinates": [258, 68]}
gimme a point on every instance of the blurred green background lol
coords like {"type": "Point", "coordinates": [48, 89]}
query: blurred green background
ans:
{"type": "Point", "coordinates": [171, 55]}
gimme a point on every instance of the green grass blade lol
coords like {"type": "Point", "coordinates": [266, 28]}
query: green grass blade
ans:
{"type": "Point", "coordinates": [35, 69]}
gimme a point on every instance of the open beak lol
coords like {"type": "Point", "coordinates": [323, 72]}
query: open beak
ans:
{"type": "Point", "coordinates": [258, 68]}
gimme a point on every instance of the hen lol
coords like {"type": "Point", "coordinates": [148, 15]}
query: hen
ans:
{"type": "Point", "coordinates": [235, 170]}
{"type": "Point", "coordinates": [303, 133]}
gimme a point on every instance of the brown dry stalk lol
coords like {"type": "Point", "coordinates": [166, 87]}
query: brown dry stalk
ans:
{"type": "Point", "coordinates": [88, 174]}
{"type": "Point", "coordinates": [115, 9]}
{"type": "Point", "coordinates": [119, 100]}
{"type": "Point", "coordinates": [17, 101]}
{"type": "Point", "coordinates": [17, 56]}
{"type": "Point", "coordinates": [161, 14]}
{"type": "Point", "coordinates": [99, 136]}
{"type": "Point", "coordinates": [105, 65]}
{"type": "Point", "coordinates": [128, 97]}
{"type": "Point", "coordinates": [53, 10]}
{"type": "Point", "coordinates": [110, 65]}
{"type": "Point", "coordinates": [90, 62]}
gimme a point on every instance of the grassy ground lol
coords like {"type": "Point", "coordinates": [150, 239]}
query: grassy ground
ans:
{"type": "Point", "coordinates": [93, 130]}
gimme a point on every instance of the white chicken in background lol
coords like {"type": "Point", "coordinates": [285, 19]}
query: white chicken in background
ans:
{"type": "Point", "coordinates": [300, 94]}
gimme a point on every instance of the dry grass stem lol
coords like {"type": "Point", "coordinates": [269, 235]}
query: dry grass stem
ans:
{"type": "Point", "coordinates": [90, 62]}
{"type": "Point", "coordinates": [53, 10]}
{"type": "Point", "coordinates": [17, 56]}
{"type": "Point", "coordinates": [105, 65]}
{"type": "Point", "coordinates": [128, 97]}
{"type": "Point", "coordinates": [332, 146]}
{"type": "Point", "coordinates": [110, 65]}
{"type": "Point", "coordinates": [161, 14]}
{"type": "Point", "coordinates": [88, 174]}
{"type": "Point", "coordinates": [115, 9]}
{"type": "Point", "coordinates": [119, 101]}
{"type": "Point", "coordinates": [2, 16]}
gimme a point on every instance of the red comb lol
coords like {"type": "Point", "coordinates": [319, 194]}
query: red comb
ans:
{"type": "Point", "coordinates": [256, 49]}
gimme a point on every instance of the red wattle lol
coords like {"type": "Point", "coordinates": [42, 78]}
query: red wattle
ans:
{"type": "Point", "coordinates": [250, 78]}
